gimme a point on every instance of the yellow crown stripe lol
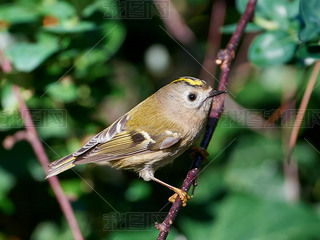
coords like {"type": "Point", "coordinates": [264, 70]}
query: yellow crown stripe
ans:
{"type": "Point", "coordinates": [193, 82]}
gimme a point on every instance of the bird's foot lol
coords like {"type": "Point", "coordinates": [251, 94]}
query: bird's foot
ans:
{"type": "Point", "coordinates": [183, 196]}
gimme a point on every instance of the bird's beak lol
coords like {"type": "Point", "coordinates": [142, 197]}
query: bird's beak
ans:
{"type": "Point", "coordinates": [213, 93]}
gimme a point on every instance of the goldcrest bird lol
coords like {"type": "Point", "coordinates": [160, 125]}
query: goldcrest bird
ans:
{"type": "Point", "coordinates": [152, 134]}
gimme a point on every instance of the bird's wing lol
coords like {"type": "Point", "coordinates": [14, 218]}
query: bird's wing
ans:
{"type": "Point", "coordinates": [104, 136]}
{"type": "Point", "coordinates": [69, 161]}
{"type": "Point", "coordinates": [127, 143]}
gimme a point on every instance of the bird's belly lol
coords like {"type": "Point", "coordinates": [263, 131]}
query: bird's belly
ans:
{"type": "Point", "coordinates": [151, 160]}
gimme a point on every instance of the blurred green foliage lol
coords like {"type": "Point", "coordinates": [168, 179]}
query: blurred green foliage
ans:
{"type": "Point", "coordinates": [82, 64]}
{"type": "Point", "coordinates": [291, 29]}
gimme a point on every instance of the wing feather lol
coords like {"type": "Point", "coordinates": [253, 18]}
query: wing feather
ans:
{"type": "Point", "coordinates": [123, 144]}
{"type": "Point", "coordinates": [104, 135]}
{"type": "Point", "coordinates": [128, 143]}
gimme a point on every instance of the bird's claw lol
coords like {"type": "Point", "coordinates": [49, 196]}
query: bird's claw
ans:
{"type": "Point", "coordinates": [183, 196]}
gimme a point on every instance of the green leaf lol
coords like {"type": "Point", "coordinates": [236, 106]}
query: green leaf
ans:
{"type": "Point", "coordinates": [279, 10]}
{"type": "Point", "coordinates": [98, 6]}
{"type": "Point", "coordinates": [309, 32]}
{"type": "Point", "coordinates": [256, 219]}
{"type": "Point", "coordinates": [17, 13]}
{"type": "Point", "coordinates": [308, 51]}
{"type": "Point", "coordinates": [114, 33]}
{"type": "Point", "coordinates": [309, 10]}
{"type": "Point", "coordinates": [71, 26]}
{"type": "Point", "coordinates": [272, 9]}
{"type": "Point", "coordinates": [90, 62]}
{"type": "Point", "coordinates": [10, 119]}
{"type": "Point", "coordinates": [255, 160]}
{"type": "Point", "coordinates": [68, 22]}
{"type": "Point", "coordinates": [72, 187]}
{"type": "Point", "coordinates": [63, 90]}
{"type": "Point", "coordinates": [109, 8]}
{"type": "Point", "coordinates": [251, 27]}
{"type": "Point", "coordinates": [58, 9]}
{"type": "Point", "coordinates": [272, 48]}
{"type": "Point", "coordinates": [46, 230]}
{"type": "Point", "coordinates": [274, 14]}
{"type": "Point", "coordinates": [27, 56]}
{"type": "Point", "coordinates": [8, 100]}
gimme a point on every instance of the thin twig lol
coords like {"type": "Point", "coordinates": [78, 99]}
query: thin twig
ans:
{"type": "Point", "coordinates": [302, 109]}
{"type": "Point", "coordinates": [33, 139]}
{"type": "Point", "coordinates": [10, 141]}
{"type": "Point", "coordinates": [290, 166]}
{"type": "Point", "coordinates": [224, 59]}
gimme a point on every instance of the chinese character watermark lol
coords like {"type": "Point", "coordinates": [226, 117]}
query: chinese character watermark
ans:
{"type": "Point", "coordinates": [136, 9]}
{"type": "Point", "coordinates": [132, 221]}
{"type": "Point", "coordinates": [260, 118]}
{"type": "Point", "coordinates": [41, 118]}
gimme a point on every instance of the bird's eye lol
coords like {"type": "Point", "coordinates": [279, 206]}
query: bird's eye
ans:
{"type": "Point", "coordinates": [192, 96]}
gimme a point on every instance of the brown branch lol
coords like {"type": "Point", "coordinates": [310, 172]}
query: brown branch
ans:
{"type": "Point", "coordinates": [280, 111]}
{"type": "Point", "coordinates": [208, 70]}
{"type": "Point", "coordinates": [290, 166]}
{"type": "Point", "coordinates": [32, 137]}
{"type": "Point", "coordinates": [174, 23]}
{"type": "Point", "coordinates": [302, 109]}
{"type": "Point", "coordinates": [10, 141]}
{"type": "Point", "coordinates": [224, 59]}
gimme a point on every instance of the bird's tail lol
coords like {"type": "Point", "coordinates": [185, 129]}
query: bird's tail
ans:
{"type": "Point", "coordinates": [61, 165]}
